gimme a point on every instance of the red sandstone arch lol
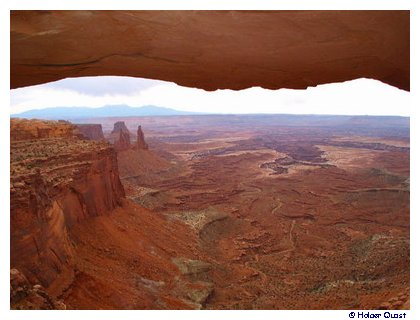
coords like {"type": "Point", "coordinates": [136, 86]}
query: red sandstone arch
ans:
{"type": "Point", "coordinates": [212, 49]}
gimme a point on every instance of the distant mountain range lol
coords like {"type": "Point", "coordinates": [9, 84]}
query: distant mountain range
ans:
{"type": "Point", "coordinates": [72, 113]}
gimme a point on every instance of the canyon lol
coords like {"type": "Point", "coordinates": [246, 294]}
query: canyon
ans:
{"type": "Point", "coordinates": [211, 212]}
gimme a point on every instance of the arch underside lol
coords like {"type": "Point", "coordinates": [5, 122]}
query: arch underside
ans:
{"type": "Point", "coordinates": [213, 49]}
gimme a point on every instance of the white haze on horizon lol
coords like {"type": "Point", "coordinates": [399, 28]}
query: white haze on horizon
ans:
{"type": "Point", "coordinates": [356, 97]}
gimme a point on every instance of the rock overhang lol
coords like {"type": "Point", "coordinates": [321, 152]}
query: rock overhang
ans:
{"type": "Point", "coordinates": [213, 49]}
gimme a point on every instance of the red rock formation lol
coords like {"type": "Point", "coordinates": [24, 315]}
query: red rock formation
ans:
{"type": "Point", "coordinates": [141, 144]}
{"type": "Point", "coordinates": [120, 126]}
{"type": "Point", "coordinates": [25, 296]}
{"type": "Point", "coordinates": [64, 242]}
{"type": "Point", "coordinates": [260, 230]}
{"type": "Point", "coordinates": [123, 142]}
{"type": "Point", "coordinates": [120, 136]}
{"type": "Point", "coordinates": [91, 131]}
{"type": "Point", "coordinates": [213, 49]}
{"type": "Point", "coordinates": [55, 183]}
{"type": "Point", "coordinates": [23, 129]}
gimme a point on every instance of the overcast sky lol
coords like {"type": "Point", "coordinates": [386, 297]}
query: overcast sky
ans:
{"type": "Point", "coordinates": [362, 96]}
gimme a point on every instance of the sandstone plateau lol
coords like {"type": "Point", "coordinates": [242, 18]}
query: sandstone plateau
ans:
{"type": "Point", "coordinates": [212, 49]}
{"type": "Point", "coordinates": [39, 129]}
{"type": "Point", "coordinates": [91, 131]}
{"type": "Point", "coordinates": [222, 212]}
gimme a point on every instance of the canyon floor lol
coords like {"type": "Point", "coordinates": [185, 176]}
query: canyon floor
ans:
{"type": "Point", "coordinates": [249, 212]}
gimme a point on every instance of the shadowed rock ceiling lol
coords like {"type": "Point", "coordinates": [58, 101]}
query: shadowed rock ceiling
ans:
{"type": "Point", "coordinates": [212, 49]}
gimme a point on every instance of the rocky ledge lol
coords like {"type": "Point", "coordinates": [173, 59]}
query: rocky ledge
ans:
{"type": "Point", "coordinates": [57, 179]}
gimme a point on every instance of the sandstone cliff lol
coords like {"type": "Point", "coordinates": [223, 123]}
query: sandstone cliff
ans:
{"type": "Point", "coordinates": [120, 126]}
{"type": "Point", "coordinates": [67, 251]}
{"type": "Point", "coordinates": [123, 141]}
{"type": "Point", "coordinates": [22, 129]}
{"type": "Point", "coordinates": [120, 136]}
{"type": "Point", "coordinates": [91, 131]}
{"type": "Point", "coordinates": [141, 144]}
{"type": "Point", "coordinates": [25, 296]}
{"type": "Point", "coordinates": [55, 183]}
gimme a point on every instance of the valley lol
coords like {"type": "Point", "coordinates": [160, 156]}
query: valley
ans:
{"type": "Point", "coordinates": [213, 212]}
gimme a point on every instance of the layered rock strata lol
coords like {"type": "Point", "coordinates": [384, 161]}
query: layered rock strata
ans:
{"type": "Point", "coordinates": [91, 131]}
{"type": "Point", "coordinates": [141, 143]}
{"type": "Point", "coordinates": [123, 142]}
{"type": "Point", "coordinates": [55, 183]}
{"type": "Point", "coordinates": [22, 129]}
{"type": "Point", "coordinates": [25, 296]}
{"type": "Point", "coordinates": [120, 126]}
{"type": "Point", "coordinates": [120, 136]}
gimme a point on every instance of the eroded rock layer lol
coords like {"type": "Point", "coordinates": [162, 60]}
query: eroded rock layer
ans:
{"type": "Point", "coordinates": [291, 212]}
{"type": "Point", "coordinates": [141, 143]}
{"type": "Point", "coordinates": [55, 183]}
{"type": "Point", "coordinates": [119, 126]}
{"type": "Point", "coordinates": [22, 129]}
{"type": "Point", "coordinates": [120, 136]}
{"type": "Point", "coordinates": [123, 141]}
{"type": "Point", "coordinates": [213, 49]}
{"type": "Point", "coordinates": [91, 131]}
{"type": "Point", "coordinates": [77, 243]}
{"type": "Point", "coordinates": [25, 296]}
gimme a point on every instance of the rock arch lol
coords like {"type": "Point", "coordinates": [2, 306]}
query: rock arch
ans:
{"type": "Point", "coordinates": [213, 49]}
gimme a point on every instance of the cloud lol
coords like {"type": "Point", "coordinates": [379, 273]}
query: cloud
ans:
{"type": "Point", "coordinates": [361, 96]}
{"type": "Point", "coordinates": [104, 85]}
